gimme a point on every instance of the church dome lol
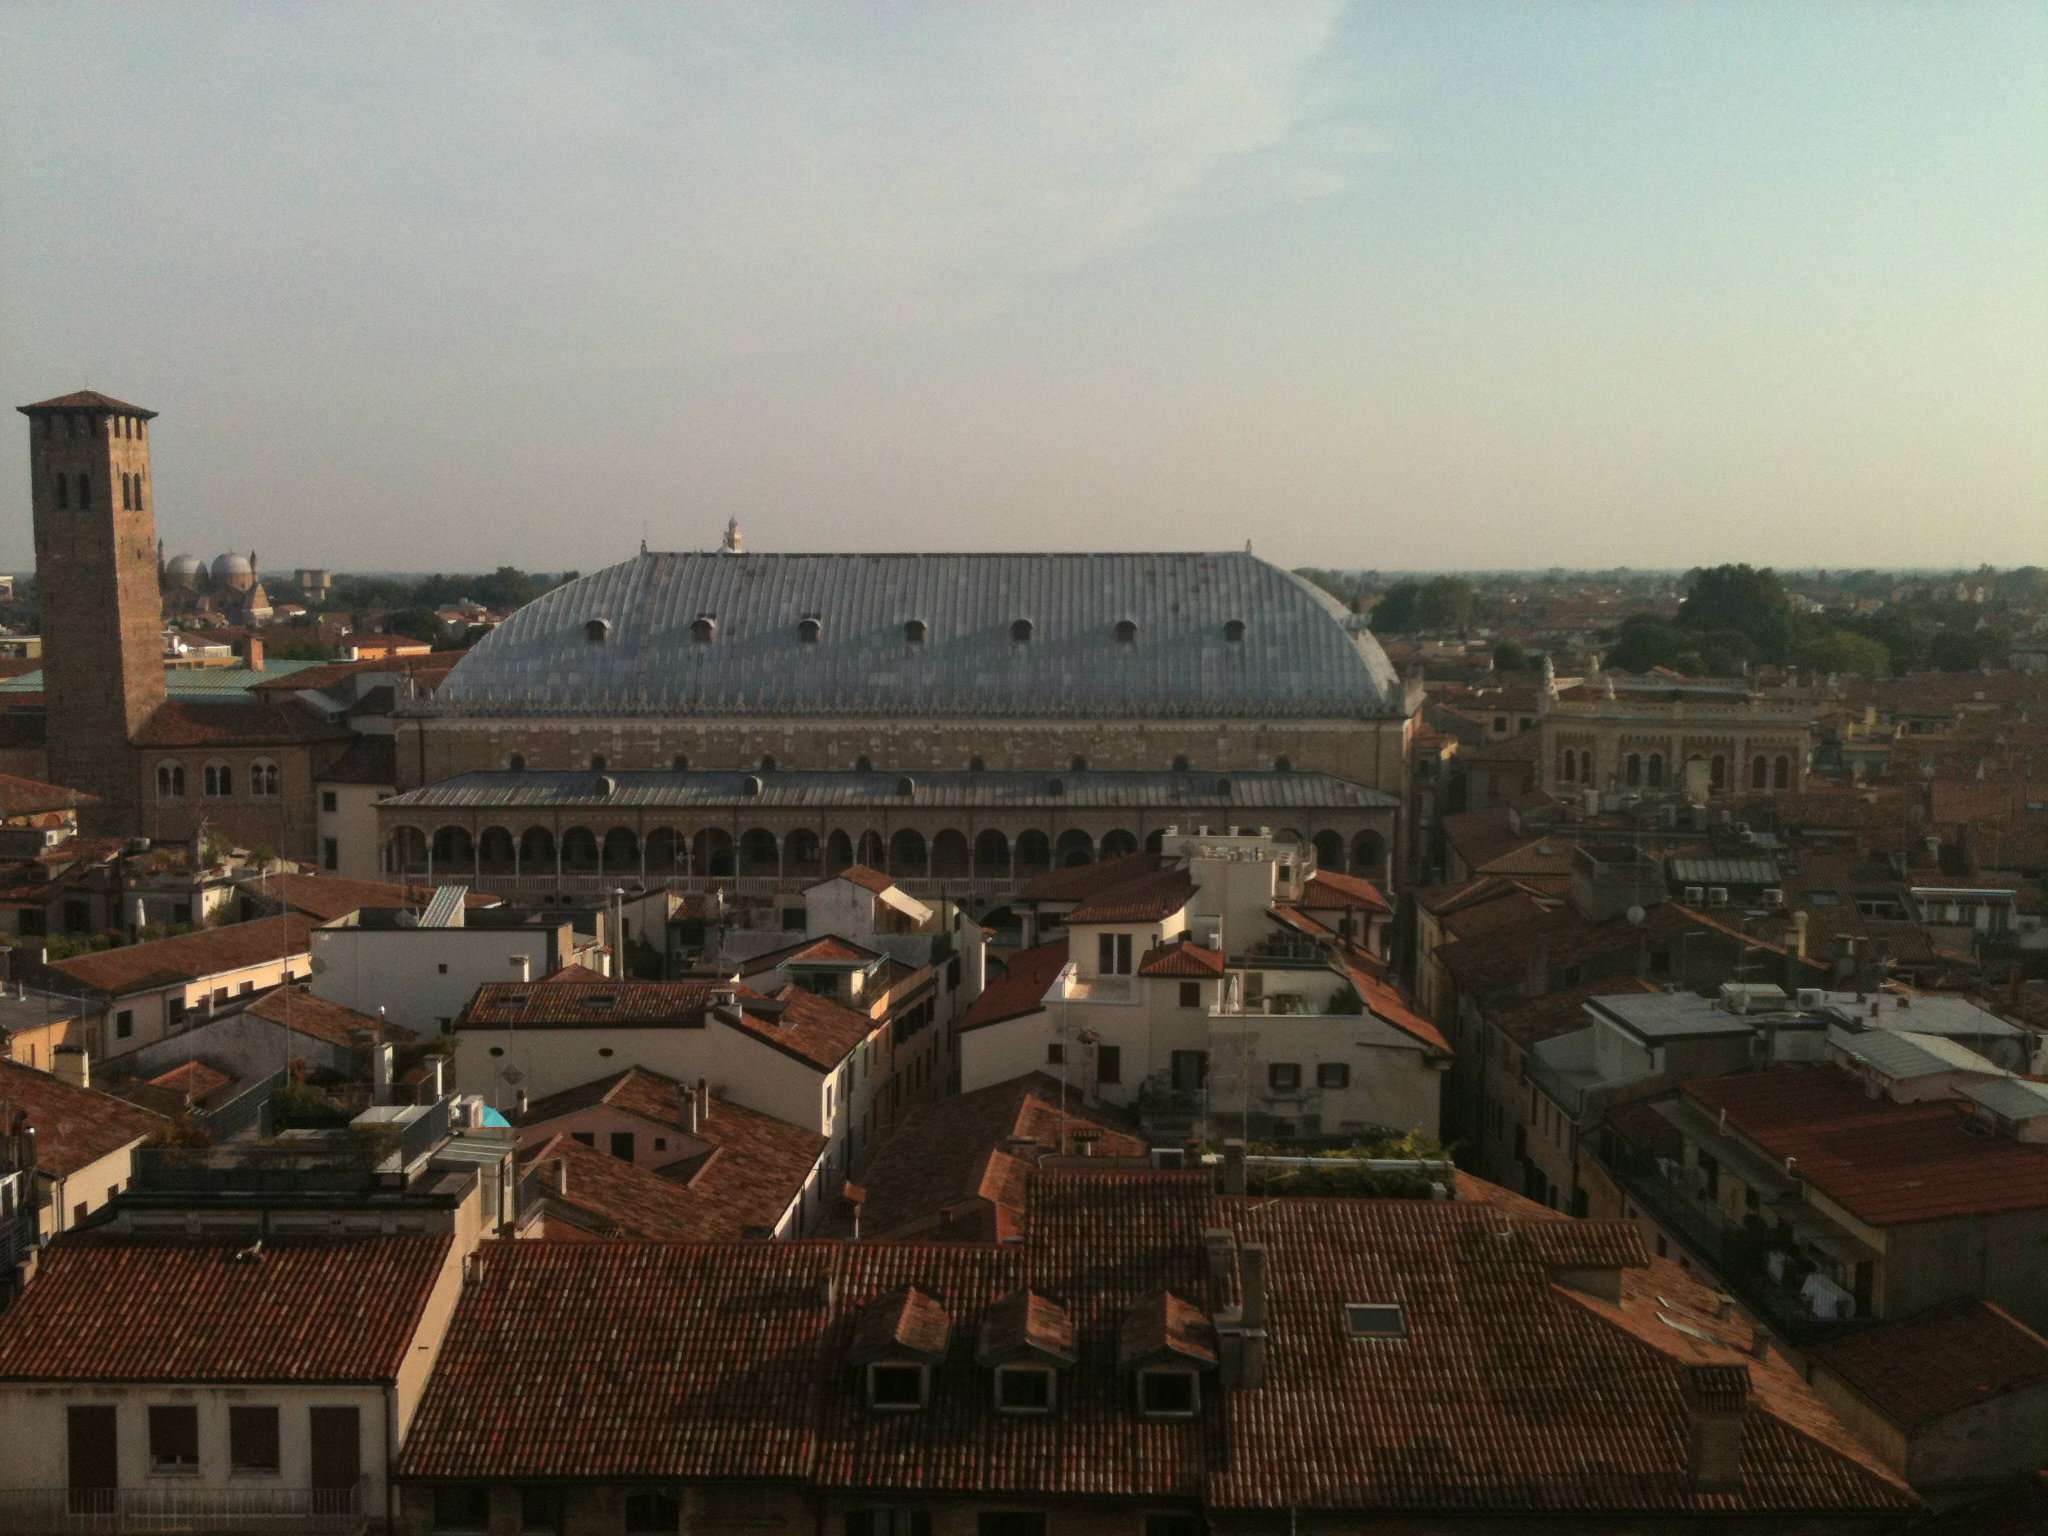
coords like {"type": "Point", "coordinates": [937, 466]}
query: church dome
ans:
{"type": "Point", "coordinates": [232, 571]}
{"type": "Point", "coordinates": [185, 570]}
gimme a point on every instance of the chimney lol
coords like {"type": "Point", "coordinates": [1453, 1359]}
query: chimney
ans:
{"type": "Point", "coordinates": [558, 1175]}
{"type": "Point", "coordinates": [703, 1099]}
{"type": "Point", "coordinates": [1716, 1401]}
{"type": "Point", "coordinates": [522, 966]}
{"type": "Point", "coordinates": [1233, 1166]}
{"type": "Point", "coordinates": [1251, 1269]}
{"type": "Point", "coordinates": [252, 652]}
{"type": "Point", "coordinates": [70, 1064]}
{"type": "Point", "coordinates": [380, 1074]}
{"type": "Point", "coordinates": [689, 1095]}
{"type": "Point", "coordinates": [436, 1080]}
{"type": "Point", "coordinates": [519, 1104]}
{"type": "Point", "coordinates": [1217, 1245]}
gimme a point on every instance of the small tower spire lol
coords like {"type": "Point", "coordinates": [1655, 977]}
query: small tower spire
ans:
{"type": "Point", "coordinates": [735, 541]}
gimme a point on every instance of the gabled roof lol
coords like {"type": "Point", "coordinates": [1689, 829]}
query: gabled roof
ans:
{"type": "Point", "coordinates": [1161, 1326]}
{"type": "Point", "coordinates": [1327, 888]}
{"type": "Point", "coordinates": [812, 1029]}
{"type": "Point", "coordinates": [904, 1322]}
{"type": "Point", "coordinates": [859, 874]}
{"type": "Point", "coordinates": [25, 797]}
{"type": "Point", "coordinates": [368, 760]}
{"type": "Point", "coordinates": [1926, 1367]}
{"type": "Point", "coordinates": [1025, 1324]}
{"type": "Point", "coordinates": [321, 1019]}
{"type": "Point", "coordinates": [327, 898]}
{"type": "Point", "coordinates": [190, 956]}
{"type": "Point", "coordinates": [1020, 987]}
{"type": "Point", "coordinates": [1078, 882]}
{"type": "Point", "coordinates": [258, 720]}
{"type": "Point", "coordinates": [1147, 899]}
{"type": "Point", "coordinates": [119, 1308]}
{"type": "Point", "coordinates": [1385, 1002]}
{"type": "Point", "coordinates": [1183, 957]}
{"type": "Point", "coordinates": [74, 1126]}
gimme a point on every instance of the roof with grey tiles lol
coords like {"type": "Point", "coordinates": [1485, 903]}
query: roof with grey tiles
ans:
{"type": "Point", "coordinates": [1215, 635]}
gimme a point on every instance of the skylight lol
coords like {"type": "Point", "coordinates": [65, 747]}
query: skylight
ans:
{"type": "Point", "coordinates": [1375, 1320]}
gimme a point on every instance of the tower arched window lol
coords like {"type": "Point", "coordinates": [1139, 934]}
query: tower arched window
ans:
{"type": "Point", "coordinates": [863, 764]}
{"type": "Point", "coordinates": [1020, 632]}
{"type": "Point", "coordinates": [767, 762]}
{"type": "Point", "coordinates": [1781, 773]}
{"type": "Point", "coordinates": [1718, 772]}
{"type": "Point", "coordinates": [1233, 630]}
{"type": "Point", "coordinates": [1283, 764]}
{"type": "Point", "coordinates": [597, 762]}
{"type": "Point", "coordinates": [703, 630]}
{"type": "Point", "coordinates": [124, 492]}
{"type": "Point", "coordinates": [218, 781]}
{"type": "Point", "coordinates": [809, 630]}
{"type": "Point", "coordinates": [1079, 763]}
{"type": "Point", "coordinates": [263, 779]}
{"type": "Point", "coordinates": [85, 493]}
{"type": "Point", "coordinates": [1759, 771]}
{"type": "Point", "coordinates": [1180, 762]}
{"type": "Point", "coordinates": [597, 631]}
{"type": "Point", "coordinates": [680, 763]}
{"type": "Point", "coordinates": [1126, 632]}
{"type": "Point", "coordinates": [170, 781]}
{"type": "Point", "coordinates": [1655, 767]}
{"type": "Point", "coordinates": [977, 764]}
{"type": "Point", "coordinates": [516, 762]}
{"type": "Point", "coordinates": [63, 491]}
{"type": "Point", "coordinates": [916, 632]}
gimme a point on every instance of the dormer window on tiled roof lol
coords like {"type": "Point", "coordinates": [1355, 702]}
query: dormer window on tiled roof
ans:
{"type": "Point", "coordinates": [1166, 1343]}
{"type": "Point", "coordinates": [808, 629]}
{"type": "Point", "coordinates": [1375, 1320]}
{"type": "Point", "coordinates": [1028, 1339]}
{"type": "Point", "coordinates": [900, 1337]}
{"type": "Point", "coordinates": [915, 632]}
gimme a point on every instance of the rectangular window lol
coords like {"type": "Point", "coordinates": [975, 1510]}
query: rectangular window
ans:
{"type": "Point", "coordinates": [1191, 994]}
{"type": "Point", "coordinates": [329, 802]}
{"type": "Point", "coordinates": [174, 1439]}
{"type": "Point", "coordinates": [622, 1145]}
{"type": "Point", "coordinates": [896, 1386]}
{"type": "Point", "coordinates": [124, 1024]}
{"type": "Point", "coordinates": [1055, 1054]}
{"type": "Point", "coordinates": [886, 1521]}
{"type": "Point", "coordinates": [588, 1138]}
{"type": "Point", "coordinates": [1173, 1525]}
{"type": "Point", "coordinates": [654, 1510]}
{"type": "Point", "coordinates": [246, 988]}
{"type": "Point", "coordinates": [1333, 1074]}
{"type": "Point", "coordinates": [1166, 1394]}
{"type": "Point", "coordinates": [1009, 1522]}
{"type": "Point", "coordinates": [1113, 954]}
{"type": "Point", "coordinates": [252, 1439]}
{"type": "Point", "coordinates": [1023, 1389]}
{"type": "Point", "coordinates": [1109, 1064]}
{"type": "Point", "coordinates": [330, 854]}
{"type": "Point", "coordinates": [540, 1511]}
{"type": "Point", "coordinates": [1283, 1076]}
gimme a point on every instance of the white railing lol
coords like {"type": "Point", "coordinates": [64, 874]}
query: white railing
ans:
{"type": "Point", "coordinates": [186, 1511]}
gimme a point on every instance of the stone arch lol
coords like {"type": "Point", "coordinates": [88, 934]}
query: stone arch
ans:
{"type": "Point", "coordinates": [908, 855]}
{"type": "Point", "coordinates": [1781, 772]}
{"type": "Point", "coordinates": [871, 851]}
{"type": "Point", "coordinates": [1329, 851]}
{"type": "Point", "coordinates": [1653, 770]}
{"type": "Point", "coordinates": [991, 855]}
{"type": "Point", "coordinates": [1759, 772]}
{"type": "Point", "coordinates": [1118, 843]}
{"type": "Point", "coordinates": [1032, 854]}
{"type": "Point", "coordinates": [621, 851]}
{"type": "Point", "coordinates": [1717, 772]}
{"type": "Point", "coordinates": [1586, 765]}
{"type": "Point", "coordinates": [711, 852]}
{"type": "Point", "coordinates": [668, 852]}
{"type": "Point", "coordinates": [1567, 766]}
{"type": "Point", "coordinates": [803, 854]}
{"type": "Point", "coordinates": [1632, 769]}
{"type": "Point", "coordinates": [1289, 835]}
{"type": "Point", "coordinates": [537, 849]}
{"type": "Point", "coordinates": [496, 853]}
{"type": "Point", "coordinates": [454, 848]}
{"type": "Point", "coordinates": [1369, 854]}
{"type": "Point", "coordinates": [408, 850]}
{"type": "Point", "coordinates": [951, 858]}
{"type": "Point", "coordinates": [838, 853]}
{"type": "Point", "coordinates": [1073, 849]}
{"type": "Point", "coordinates": [759, 853]}
{"type": "Point", "coordinates": [580, 853]}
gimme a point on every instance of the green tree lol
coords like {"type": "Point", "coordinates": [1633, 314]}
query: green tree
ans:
{"type": "Point", "coordinates": [1842, 650]}
{"type": "Point", "coordinates": [1743, 600]}
{"type": "Point", "coordinates": [1510, 657]}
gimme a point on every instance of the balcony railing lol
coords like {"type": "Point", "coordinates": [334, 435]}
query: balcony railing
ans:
{"type": "Point", "coordinates": [184, 1511]}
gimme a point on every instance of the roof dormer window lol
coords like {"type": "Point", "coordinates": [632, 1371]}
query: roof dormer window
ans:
{"type": "Point", "coordinates": [703, 629]}
{"type": "Point", "coordinates": [1020, 632]}
{"type": "Point", "coordinates": [1025, 1388]}
{"type": "Point", "coordinates": [1168, 1394]}
{"type": "Point", "coordinates": [809, 629]}
{"type": "Point", "coordinates": [1233, 631]}
{"type": "Point", "coordinates": [897, 1386]}
{"type": "Point", "coordinates": [916, 632]}
{"type": "Point", "coordinates": [1375, 1320]}
{"type": "Point", "coordinates": [1126, 632]}
{"type": "Point", "coordinates": [597, 631]}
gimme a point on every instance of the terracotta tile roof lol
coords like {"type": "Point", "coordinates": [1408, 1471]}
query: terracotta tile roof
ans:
{"type": "Point", "coordinates": [326, 898]}
{"type": "Point", "coordinates": [25, 797]}
{"type": "Point", "coordinates": [1162, 1326]}
{"type": "Point", "coordinates": [192, 1081]}
{"type": "Point", "coordinates": [867, 879]}
{"type": "Point", "coordinates": [321, 1020]}
{"type": "Point", "coordinates": [1024, 1324]}
{"type": "Point", "coordinates": [1183, 957]}
{"type": "Point", "coordinates": [636, 1372]}
{"type": "Point", "coordinates": [950, 1154]}
{"type": "Point", "coordinates": [119, 1308]}
{"type": "Point", "coordinates": [1327, 888]}
{"type": "Point", "coordinates": [1528, 1020]}
{"type": "Point", "coordinates": [74, 1126]}
{"type": "Point", "coordinates": [1886, 1164]}
{"type": "Point", "coordinates": [650, 1095]}
{"type": "Point", "coordinates": [1081, 881]}
{"type": "Point", "coordinates": [903, 1322]}
{"type": "Point", "coordinates": [587, 1005]}
{"type": "Point", "coordinates": [1016, 992]}
{"type": "Point", "coordinates": [829, 948]}
{"type": "Point", "coordinates": [1144, 900]}
{"type": "Point", "coordinates": [190, 956]}
{"type": "Point", "coordinates": [1385, 1002]}
{"type": "Point", "coordinates": [1940, 1362]}
{"type": "Point", "coordinates": [813, 1029]}
{"type": "Point", "coordinates": [87, 400]}
{"type": "Point", "coordinates": [574, 971]}
{"type": "Point", "coordinates": [249, 722]}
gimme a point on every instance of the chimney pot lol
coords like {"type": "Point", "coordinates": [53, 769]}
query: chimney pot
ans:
{"type": "Point", "coordinates": [703, 1098]}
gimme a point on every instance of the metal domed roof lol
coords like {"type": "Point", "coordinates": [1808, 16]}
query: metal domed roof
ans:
{"type": "Point", "coordinates": [185, 565]}
{"type": "Point", "coordinates": [225, 566]}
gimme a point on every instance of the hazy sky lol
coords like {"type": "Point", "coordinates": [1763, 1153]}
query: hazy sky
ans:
{"type": "Point", "coordinates": [1429, 284]}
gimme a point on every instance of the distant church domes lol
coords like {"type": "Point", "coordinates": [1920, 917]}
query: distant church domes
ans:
{"type": "Point", "coordinates": [233, 571]}
{"type": "Point", "coordinates": [185, 571]}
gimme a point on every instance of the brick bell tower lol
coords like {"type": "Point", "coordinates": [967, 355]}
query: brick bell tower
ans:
{"type": "Point", "coordinates": [92, 497]}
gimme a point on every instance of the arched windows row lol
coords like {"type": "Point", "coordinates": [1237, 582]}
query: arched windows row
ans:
{"type": "Point", "coordinates": [217, 780]}
{"type": "Point", "coordinates": [810, 629]}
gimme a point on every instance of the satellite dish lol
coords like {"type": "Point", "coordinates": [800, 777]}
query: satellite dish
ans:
{"type": "Point", "coordinates": [1635, 917]}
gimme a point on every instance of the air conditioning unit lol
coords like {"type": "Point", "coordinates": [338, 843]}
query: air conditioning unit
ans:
{"type": "Point", "coordinates": [1693, 895]}
{"type": "Point", "coordinates": [1811, 997]}
{"type": "Point", "coordinates": [1774, 897]}
{"type": "Point", "coordinates": [1717, 895]}
{"type": "Point", "coordinates": [1169, 1157]}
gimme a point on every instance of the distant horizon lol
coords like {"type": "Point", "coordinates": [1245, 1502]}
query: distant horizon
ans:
{"type": "Point", "coordinates": [1446, 287]}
